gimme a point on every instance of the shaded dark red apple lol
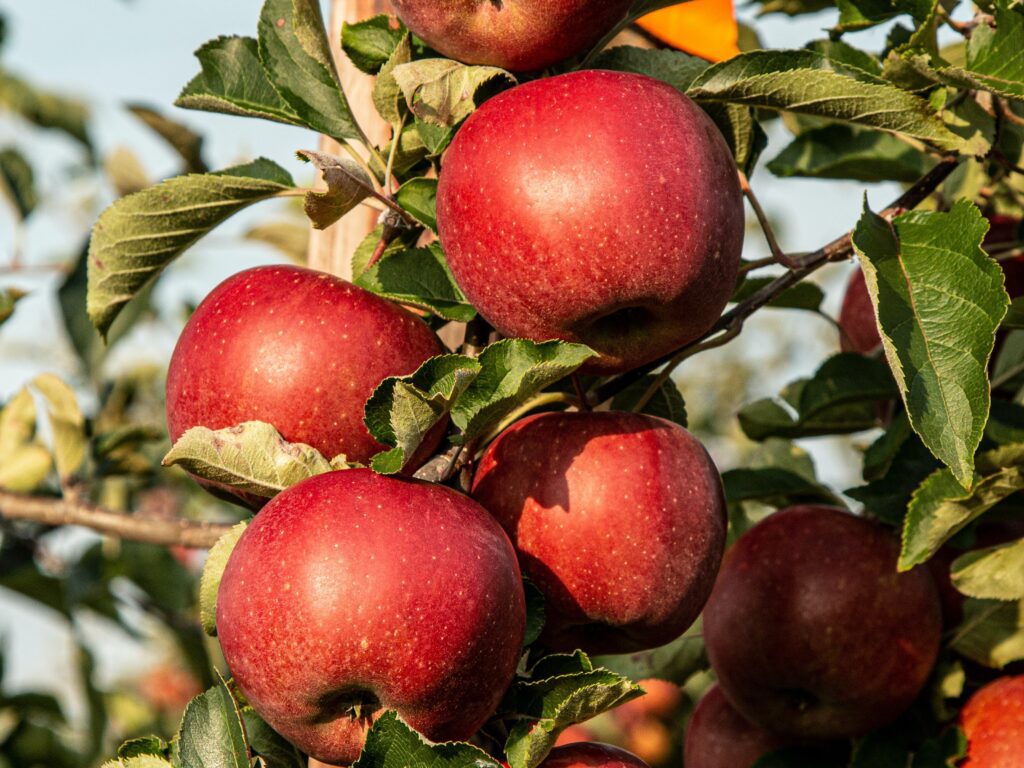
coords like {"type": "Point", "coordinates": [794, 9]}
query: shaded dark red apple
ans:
{"type": "Point", "coordinates": [299, 349]}
{"type": "Point", "coordinates": [521, 35]}
{"type": "Point", "coordinates": [717, 736]}
{"type": "Point", "coordinates": [594, 207]}
{"type": "Point", "coordinates": [811, 630]}
{"type": "Point", "coordinates": [591, 755]}
{"type": "Point", "coordinates": [618, 518]}
{"type": "Point", "coordinates": [351, 593]}
{"type": "Point", "coordinates": [993, 722]}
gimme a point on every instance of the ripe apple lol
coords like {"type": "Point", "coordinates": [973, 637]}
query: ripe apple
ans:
{"type": "Point", "coordinates": [521, 35]}
{"type": "Point", "coordinates": [591, 755]}
{"type": "Point", "coordinates": [993, 722]}
{"type": "Point", "coordinates": [718, 736]}
{"type": "Point", "coordinates": [857, 314]}
{"type": "Point", "coordinates": [595, 207]}
{"type": "Point", "coordinates": [812, 632]}
{"type": "Point", "coordinates": [351, 593]}
{"type": "Point", "coordinates": [618, 518]}
{"type": "Point", "coordinates": [299, 349]}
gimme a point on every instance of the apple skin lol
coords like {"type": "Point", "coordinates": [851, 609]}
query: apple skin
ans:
{"type": "Point", "coordinates": [299, 349]}
{"type": "Point", "coordinates": [993, 722]}
{"type": "Point", "coordinates": [618, 518]}
{"type": "Point", "coordinates": [591, 755]}
{"type": "Point", "coordinates": [594, 207]}
{"type": "Point", "coordinates": [520, 35]}
{"type": "Point", "coordinates": [718, 736]}
{"type": "Point", "coordinates": [351, 587]}
{"type": "Point", "coordinates": [812, 632]}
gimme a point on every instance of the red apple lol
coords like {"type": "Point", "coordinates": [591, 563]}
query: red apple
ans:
{"type": "Point", "coordinates": [812, 632]}
{"type": "Point", "coordinates": [299, 349]}
{"type": "Point", "coordinates": [521, 35]}
{"type": "Point", "coordinates": [718, 736]}
{"type": "Point", "coordinates": [618, 518]}
{"type": "Point", "coordinates": [595, 207]}
{"type": "Point", "coordinates": [591, 755]}
{"type": "Point", "coordinates": [993, 722]}
{"type": "Point", "coordinates": [351, 593]}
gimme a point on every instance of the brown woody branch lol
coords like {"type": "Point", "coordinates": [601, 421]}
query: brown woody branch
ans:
{"type": "Point", "coordinates": [166, 532]}
{"type": "Point", "coordinates": [731, 322]}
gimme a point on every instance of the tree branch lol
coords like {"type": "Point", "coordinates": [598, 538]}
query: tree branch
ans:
{"type": "Point", "coordinates": [144, 528]}
{"type": "Point", "coordinates": [803, 265]}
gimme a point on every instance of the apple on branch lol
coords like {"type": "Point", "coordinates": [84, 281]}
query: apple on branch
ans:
{"type": "Point", "coordinates": [596, 207]}
{"type": "Point", "coordinates": [351, 593]}
{"type": "Point", "coordinates": [811, 630]}
{"type": "Point", "coordinates": [618, 518]}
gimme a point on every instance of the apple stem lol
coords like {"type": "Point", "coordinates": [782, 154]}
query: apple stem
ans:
{"type": "Point", "coordinates": [778, 255]}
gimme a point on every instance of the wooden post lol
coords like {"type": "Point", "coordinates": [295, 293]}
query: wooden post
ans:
{"type": "Point", "coordinates": [331, 250]}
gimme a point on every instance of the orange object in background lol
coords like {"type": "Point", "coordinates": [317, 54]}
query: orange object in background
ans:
{"type": "Point", "coordinates": [705, 28]}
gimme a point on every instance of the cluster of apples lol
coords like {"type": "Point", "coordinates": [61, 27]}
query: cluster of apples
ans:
{"type": "Point", "coordinates": [595, 207]}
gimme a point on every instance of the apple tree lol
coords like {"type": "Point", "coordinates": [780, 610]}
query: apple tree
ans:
{"type": "Point", "coordinates": [475, 518]}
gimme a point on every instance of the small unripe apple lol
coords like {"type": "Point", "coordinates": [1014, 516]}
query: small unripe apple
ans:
{"type": "Point", "coordinates": [521, 35]}
{"type": "Point", "coordinates": [299, 349]}
{"type": "Point", "coordinates": [718, 736]}
{"type": "Point", "coordinates": [591, 755]}
{"type": "Point", "coordinates": [618, 518]}
{"type": "Point", "coordinates": [993, 722]}
{"type": "Point", "coordinates": [351, 593]}
{"type": "Point", "coordinates": [594, 207]}
{"type": "Point", "coordinates": [811, 630]}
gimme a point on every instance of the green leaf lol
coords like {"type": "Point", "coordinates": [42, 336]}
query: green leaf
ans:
{"type": "Point", "coordinates": [67, 423]}
{"type": "Point", "coordinates": [402, 410]}
{"type": "Point", "coordinates": [676, 68]}
{"type": "Point", "coordinates": [565, 689]}
{"type": "Point", "coordinates": [939, 299]}
{"type": "Point", "coordinates": [535, 615]}
{"type": "Point", "coordinates": [142, 761]}
{"type": "Point", "coordinates": [443, 92]}
{"type": "Point", "coordinates": [182, 139]}
{"type": "Point", "coordinates": [996, 573]}
{"type": "Point", "coordinates": [419, 198]}
{"type": "Point", "coordinates": [419, 277]}
{"type": "Point", "coordinates": [992, 632]}
{"type": "Point", "coordinates": [250, 457]}
{"type": "Point", "coordinates": [152, 746]}
{"type": "Point", "coordinates": [17, 182]}
{"type": "Point", "coordinates": [370, 43]}
{"type": "Point", "coordinates": [8, 298]}
{"type": "Point", "coordinates": [45, 109]}
{"type": "Point", "coordinates": [213, 571]}
{"type": "Point", "coordinates": [805, 82]}
{"type": "Point", "coordinates": [803, 295]}
{"type": "Point", "coordinates": [390, 743]}
{"type": "Point", "coordinates": [839, 398]}
{"type": "Point", "coordinates": [743, 134]}
{"type": "Point", "coordinates": [397, 240]}
{"type": "Point", "coordinates": [273, 749]}
{"type": "Point", "coordinates": [512, 371]}
{"type": "Point", "coordinates": [941, 507]}
{"type": "Point", "coordinates": [844, 53]}
{"type": "Point", "coordinates": [675, 661]}
{"type": "Point", "coordinates": [387, 94]}
{"type": "Point", "coordinates": [297, 60]}
{"type": "Point", "coordinates": [849, 152]}
{"type": "Point", "coordinates": [139, 235]}
{"type": "Point", "coordinates": [233, 82]}
{"type": "Point", "coordinates": [24, 461]}
{"type": "Point", "coordinates": [774, 486]}
{"type": "Point", "coordinates": [347, 186]}
{"type": "Point", "coordinates": [666, 403]}
{"type": "Point", "coordinates": [211, 733]}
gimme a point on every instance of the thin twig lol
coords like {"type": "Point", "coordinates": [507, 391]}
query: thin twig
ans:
{"type": "Point", "coordinates": [581, 394]}
{"type": "Point", "coordinates": [762, 218]}
{"type": "Point", "coordinates": [396, 131]}
{"type": "Point", "coordinates": [144, 528]}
